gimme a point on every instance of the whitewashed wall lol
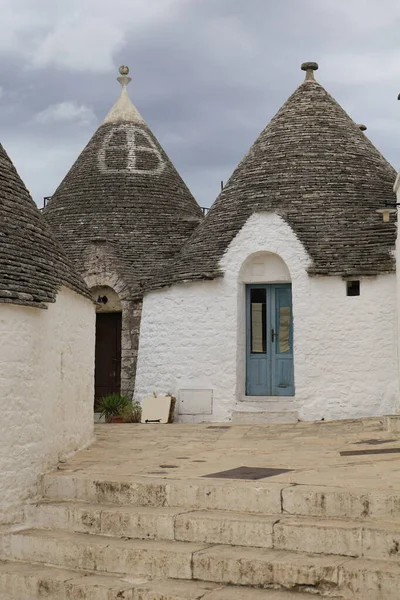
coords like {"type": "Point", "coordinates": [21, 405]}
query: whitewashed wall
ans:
{"type": "Point", "coordinates": [46, 391]}
{"type": "Point", "coordinates": [345, 348]}
{"type": "Point", "coordinates": [397, 255]}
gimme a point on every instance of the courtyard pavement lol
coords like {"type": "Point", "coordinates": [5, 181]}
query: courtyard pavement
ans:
{"type": "Point", "coordinates": [312, 450]}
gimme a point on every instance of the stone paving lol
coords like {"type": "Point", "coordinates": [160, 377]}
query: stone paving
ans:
{"type": "Point", "coordinates": [136, 517]}
{"type": "Point", "coordinates": [310, 449]}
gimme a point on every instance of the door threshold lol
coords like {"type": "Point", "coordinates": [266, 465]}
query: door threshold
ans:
{"type": "Point", "coordinates": [267, 399]}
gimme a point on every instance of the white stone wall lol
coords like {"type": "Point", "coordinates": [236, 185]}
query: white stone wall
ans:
{"type": "Point", "coordinates": [397, 255]}
{"type": "Point", "coordinates": [345, 348]}
{"type": "Point", "coordinates": [46, 391]}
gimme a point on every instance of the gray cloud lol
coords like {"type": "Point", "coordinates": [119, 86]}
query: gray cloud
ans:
{"type": "Point", "coordinates": [207, 76]}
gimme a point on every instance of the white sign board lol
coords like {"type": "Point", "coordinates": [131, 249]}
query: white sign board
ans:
{"type": "Point", "coordinates": [156, 409]}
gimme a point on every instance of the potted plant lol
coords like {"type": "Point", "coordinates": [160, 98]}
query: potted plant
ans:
{"type": "Point", "coordinates": [131, 413]}
{"type": "Point", "coordinates": [110, 407]}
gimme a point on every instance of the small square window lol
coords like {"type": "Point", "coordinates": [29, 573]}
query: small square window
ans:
{"type": "Point", "coordinates": [353, 288]}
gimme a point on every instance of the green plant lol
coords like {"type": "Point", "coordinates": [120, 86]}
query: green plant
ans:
{"type": "Point", "coordinates": [111, 405]}
{"type": "Point", "coordinates": [131, 413]}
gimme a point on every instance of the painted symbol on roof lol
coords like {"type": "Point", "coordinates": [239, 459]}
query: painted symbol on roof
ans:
{"type": "Point", "coordinates": [128, 148]}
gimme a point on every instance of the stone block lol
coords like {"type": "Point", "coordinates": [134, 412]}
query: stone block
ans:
{"type": "Point", "coordinates": [237, 529]}
{"type": "Point", "coordinates": [392, 423]}
{"type": "Point", "coordinates": [174, 590]}
{"type": "Point", "coordinates": [381, 541]}
{"type": "Point", "coordinates": [83, 518]}
{"type": "Point", "coordinates": [144, 558]}
{"type": "Point", "coordinates": [28, 581]}
{"type": "Point", "coordinates": [257, 417]}
{"type": "Point", "coordinates": [340, 503]}
{"type": "Point", "coordinates": [318, 537]}
{"type": "Point", "coordinates": [104, 491]}
{"type": "Point", "coordinates": [315, 501]}
{"type": "Point", "coordinates": [261, 567]}
{"type": "Point", "coordinates": [225, 496]}
{"type": "Point", "coordinates": [369, 580]}
{"type": "Point", "coordinates": [139, 523]}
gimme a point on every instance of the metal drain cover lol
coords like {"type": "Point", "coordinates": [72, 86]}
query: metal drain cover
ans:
{"type": "Point", "coordinates": [363, 452]}
{"type": "Point", "coordinates": [375, 442]}
{"type": "Point", "coordinates": [219, 427]}
{"type": "Point", "coordinates": [248, 473]}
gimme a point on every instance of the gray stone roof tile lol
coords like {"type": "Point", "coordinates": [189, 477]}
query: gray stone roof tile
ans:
{"type": "Point", "coordinates": [124, 190]}
{"type": "Point", "coordinates": [314, 166]}
{"type": "Point", "coordinates": [32, 264]}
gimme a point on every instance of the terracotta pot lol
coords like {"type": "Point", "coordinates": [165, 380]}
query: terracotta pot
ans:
{"type": "Point", "coordinates": [116, 419]}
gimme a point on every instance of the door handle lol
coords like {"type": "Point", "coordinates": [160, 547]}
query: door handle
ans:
{"type": "Point", "coordinates": [273, 334]}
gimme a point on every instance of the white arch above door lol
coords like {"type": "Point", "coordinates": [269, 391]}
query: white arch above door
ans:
{"type": "Point", "coordinates": [264, 267]}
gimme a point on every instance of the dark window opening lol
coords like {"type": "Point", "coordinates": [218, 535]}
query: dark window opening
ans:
{"type": "Point", "coordinates": [258, 317]}
{"type": "Point", "coordinates": [353, 288]}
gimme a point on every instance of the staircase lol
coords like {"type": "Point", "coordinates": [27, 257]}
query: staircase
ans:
{"type": "Point", "coordinates": [271, 410]}
{"type": "Point", "coordinates": [171, 539]}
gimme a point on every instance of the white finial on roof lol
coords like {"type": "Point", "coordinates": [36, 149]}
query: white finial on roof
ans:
{"type": "Point", "coordinates": [124, 79]}
{"type": "Point", "coordinates": [123, 110]}
{"type": "Point", "coordinates": [309, 68]}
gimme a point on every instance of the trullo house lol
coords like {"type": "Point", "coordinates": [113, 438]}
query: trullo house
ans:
{"type": "Point", "coordinates": [279, 305]}
{"type": "Point", "coordinates": [121, 211]}
{"type": "Point", "coordinates": [47, 330]}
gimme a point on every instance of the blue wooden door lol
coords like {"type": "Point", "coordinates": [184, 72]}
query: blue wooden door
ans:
{"type": "Point", "coordinates": [258, 374]}
{"type": "Point", "coordinates": [269, 368]}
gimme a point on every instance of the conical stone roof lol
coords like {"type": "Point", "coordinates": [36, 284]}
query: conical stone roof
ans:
{"type": "Point", "coordinates": [314, 166]}
{"type": "Point", "coordinates": [32, 264]}
{"type": "Point", "coordinates": [123, 191]}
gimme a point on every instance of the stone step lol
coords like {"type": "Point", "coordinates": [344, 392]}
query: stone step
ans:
{"type": "Point", "coordinates": [27, 581]}
{"type": "Point", "coordinates": [271, 403]}
{"type": "Point", "coordinates": [267, 497]}
{"type": "Point", "coordinates": [142, 522]}
{"type": "Point", "coordinates": [204, 494]}
{"type": "Point", "coordinates": [250, 417]}
{"type": "Point", "coordinates": [369, 539]}
{"type": "Point", "coordinates": [228, 565]}
{"type": "Point", "coordinates": [79, 551]}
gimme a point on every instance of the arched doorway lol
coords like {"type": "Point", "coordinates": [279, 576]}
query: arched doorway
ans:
{"type": "Point", "coordinates": [108, 342]}
{"type": "Point", "coordinates": [269, 326]}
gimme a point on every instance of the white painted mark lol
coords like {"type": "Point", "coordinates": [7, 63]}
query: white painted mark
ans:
{"type": "Point", "coordinates": [134, 148]}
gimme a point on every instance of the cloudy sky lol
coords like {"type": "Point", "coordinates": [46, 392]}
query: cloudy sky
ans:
{"type": "Point", "coordinates": [207, 75]}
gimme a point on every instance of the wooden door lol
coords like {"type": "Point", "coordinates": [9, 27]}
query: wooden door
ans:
{"type": "Point", "coordinates": [269, 356]}
{"type": "Point", "coordinates": [282, 383]}
{"type": "Point", "coordinates": [258, 363]}
{"type": "Point", "coordinates": [108, 354]}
